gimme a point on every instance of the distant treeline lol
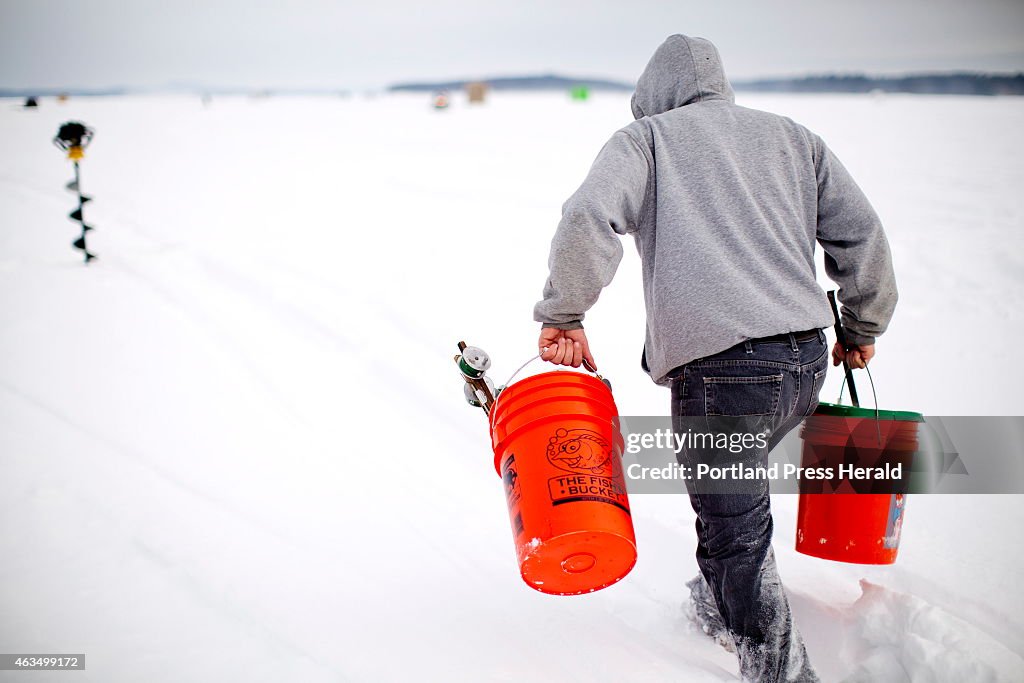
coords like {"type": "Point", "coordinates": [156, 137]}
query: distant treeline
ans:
{"type": "Point", "coordinates": [548, 82]}
{"type": "Point", "coordinates": [54, 92]}
{"type": "Point", "coordinates": [923, 84]}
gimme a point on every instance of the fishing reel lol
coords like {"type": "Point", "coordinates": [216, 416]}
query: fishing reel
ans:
{"type": "Point", "coordinates": [73, 137]}
{"type": "Point", "coordinates": [473, 364]}
{"type": "Point", "coordinates": [480, 392]}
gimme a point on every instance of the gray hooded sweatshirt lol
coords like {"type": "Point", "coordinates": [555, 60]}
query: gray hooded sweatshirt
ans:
{"type": "Point", "coordinates": [725, 204]}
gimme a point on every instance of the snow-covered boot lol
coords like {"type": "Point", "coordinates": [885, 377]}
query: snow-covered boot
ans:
{"type": "Point", "coordinates": [703, 612]}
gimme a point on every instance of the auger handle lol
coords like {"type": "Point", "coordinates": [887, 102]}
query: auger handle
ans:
{"type": "Point", "coordinates": [841, 337]}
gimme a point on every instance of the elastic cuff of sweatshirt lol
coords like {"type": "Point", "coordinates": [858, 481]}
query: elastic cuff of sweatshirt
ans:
{"type": "Point", "coordinates": [858, 339]}
{"type": "Point", "coordinates": [572, 325]}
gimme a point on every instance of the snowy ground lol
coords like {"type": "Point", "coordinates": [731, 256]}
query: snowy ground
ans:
{"type": "Point", "coordinates": [235, 447]}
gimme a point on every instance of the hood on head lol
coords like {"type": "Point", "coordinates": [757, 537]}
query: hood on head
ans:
{"type": "Point", "coordinates": [682, 71]}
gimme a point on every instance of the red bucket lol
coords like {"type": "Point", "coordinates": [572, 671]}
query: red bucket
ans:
{"type": "Point", "coordinates": [862, 528]}
{"type": "Point", "coordinates": [558, 449]}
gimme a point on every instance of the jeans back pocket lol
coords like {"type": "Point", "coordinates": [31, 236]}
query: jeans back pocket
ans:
{"type": "Point", "coordinates": [740, 396]}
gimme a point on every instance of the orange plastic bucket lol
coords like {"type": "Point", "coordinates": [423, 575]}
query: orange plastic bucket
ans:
{"type": "Point", "coordinates": [862, 528]}
{"type": "Point", "coordinates": [558, 449]}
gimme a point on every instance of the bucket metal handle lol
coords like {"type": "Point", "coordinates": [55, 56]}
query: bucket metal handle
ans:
{"type": "Point", "coordinates": [586, 366]}
{"type": "Point", "coordinates": [848, 371]}
{"type": "Point", "coordinates": [874, 396]}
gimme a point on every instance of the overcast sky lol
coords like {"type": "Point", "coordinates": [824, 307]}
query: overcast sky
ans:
{"type": "Point", "coordinates": [370, 43]}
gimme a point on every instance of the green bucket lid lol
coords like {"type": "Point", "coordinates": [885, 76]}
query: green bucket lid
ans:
{"type": "Point", "coordinates": [838, 410]}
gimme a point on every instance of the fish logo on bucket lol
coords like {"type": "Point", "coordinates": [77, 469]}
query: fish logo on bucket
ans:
{"type": "Point", "coordinates": [595, 474]}
{"type": "Point", "coordinates": [580, 451]}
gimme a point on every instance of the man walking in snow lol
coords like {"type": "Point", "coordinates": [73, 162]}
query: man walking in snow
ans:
{"type": "Point", "coordinates": [726, 204]}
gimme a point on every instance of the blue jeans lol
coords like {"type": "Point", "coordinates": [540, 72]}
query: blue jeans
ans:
{"type": "Point", "coordinates": [778, 383]}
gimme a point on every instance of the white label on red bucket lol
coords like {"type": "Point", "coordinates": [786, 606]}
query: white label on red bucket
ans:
{"type": "Point", "coordinates": [895, 522]}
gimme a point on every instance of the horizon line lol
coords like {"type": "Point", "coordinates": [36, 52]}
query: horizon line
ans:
{"type": "Point", "coordinates": [199, 89]}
